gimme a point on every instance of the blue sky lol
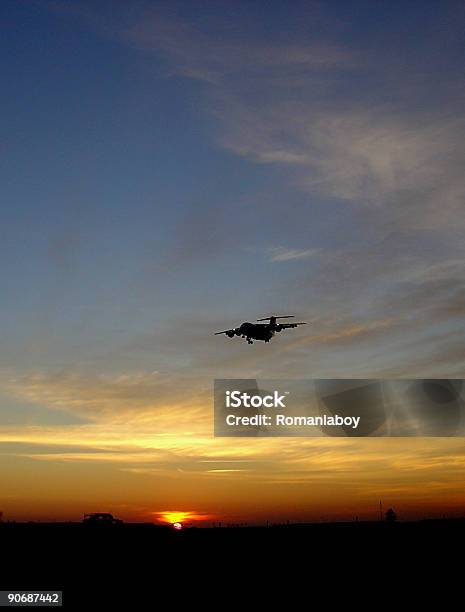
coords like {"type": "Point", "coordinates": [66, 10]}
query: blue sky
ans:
{"type": "Point", "coordinates": [172, 169]}
{"type": "Point", "coordinates": [210, 164]}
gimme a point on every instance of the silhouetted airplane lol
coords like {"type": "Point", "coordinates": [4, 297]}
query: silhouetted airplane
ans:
{"type": "Point", "coordinates": [260, 331]}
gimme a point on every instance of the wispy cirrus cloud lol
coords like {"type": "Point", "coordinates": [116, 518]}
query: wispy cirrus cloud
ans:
{"type": "Point", "coordinates": [284, 254]}
{"type": "Point", "coordinates": [344, 334]}
{"type": "Point", "coordinates": [371, 155]}
{"type": "Point", "coordinates": [341, 143]}
{"type": "Point", "coordinates": [219, 54]}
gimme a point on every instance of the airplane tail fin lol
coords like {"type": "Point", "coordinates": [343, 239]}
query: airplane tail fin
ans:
{"type": "Point", "coordinates": [273, 318]}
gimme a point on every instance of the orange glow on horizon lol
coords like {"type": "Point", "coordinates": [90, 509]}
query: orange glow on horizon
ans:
{"type": "Point", "coordinates": [180, 516]}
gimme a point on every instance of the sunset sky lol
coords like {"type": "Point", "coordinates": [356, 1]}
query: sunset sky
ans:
{"type": "Point", "coordinates": [171, 169]}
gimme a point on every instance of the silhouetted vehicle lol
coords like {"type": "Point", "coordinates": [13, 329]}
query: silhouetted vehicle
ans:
{"type": "Point", "coordinates": [260, 331]}
{"type": "Point", "coordinates": [101, 518]}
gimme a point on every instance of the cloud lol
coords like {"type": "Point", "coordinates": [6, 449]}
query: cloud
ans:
{"type": "Point", "coordinates": [348, 128]}
{"type": "Point", "coordinates": [283, 254]}
{"type": "Point", "coordinates": [342, 143]}
{"type": "Point", "coordinates": [353, 122]}
{"type": "Point", "coordinates": [369, 155]}
{"type": "Point", "coordinates": [344, 334]}
{"type": "Point", "coordinates": [353, 126]}
{"type": "Point", "coordinates": [218, 53]}
{"type": "Point", "coordinates": [110, 398]}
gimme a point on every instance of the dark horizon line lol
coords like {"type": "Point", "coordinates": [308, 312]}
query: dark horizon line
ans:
{"type": "Point", "coordinates": [236, 525]}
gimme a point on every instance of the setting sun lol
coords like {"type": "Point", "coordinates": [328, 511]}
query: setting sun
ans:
{"type": "Point", "coordinates": [178, 516]}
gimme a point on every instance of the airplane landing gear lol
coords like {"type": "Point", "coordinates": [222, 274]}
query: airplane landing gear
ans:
{"type": "Point", "coordinates": [249, 341]}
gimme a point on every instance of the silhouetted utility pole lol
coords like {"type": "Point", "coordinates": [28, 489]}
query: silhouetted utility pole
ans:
{"type": "Point", "coordinates": [380, 510]}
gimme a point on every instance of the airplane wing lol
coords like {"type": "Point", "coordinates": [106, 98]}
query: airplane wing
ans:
{"type": "Point", "coordinates": [290, 325]}
{"type": "Point", "coordinates": [228, 332]}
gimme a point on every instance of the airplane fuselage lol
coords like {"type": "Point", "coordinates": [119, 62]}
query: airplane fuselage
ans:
{"type": "Point", "coordinates": [256, 331]}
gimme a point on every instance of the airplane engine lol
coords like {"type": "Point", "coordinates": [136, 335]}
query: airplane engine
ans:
{"type": "Point", "coordinates": [230, 334]}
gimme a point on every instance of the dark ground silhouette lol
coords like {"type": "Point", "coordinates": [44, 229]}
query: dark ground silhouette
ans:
{"type": "Point", "coordinates": [112, 561]}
